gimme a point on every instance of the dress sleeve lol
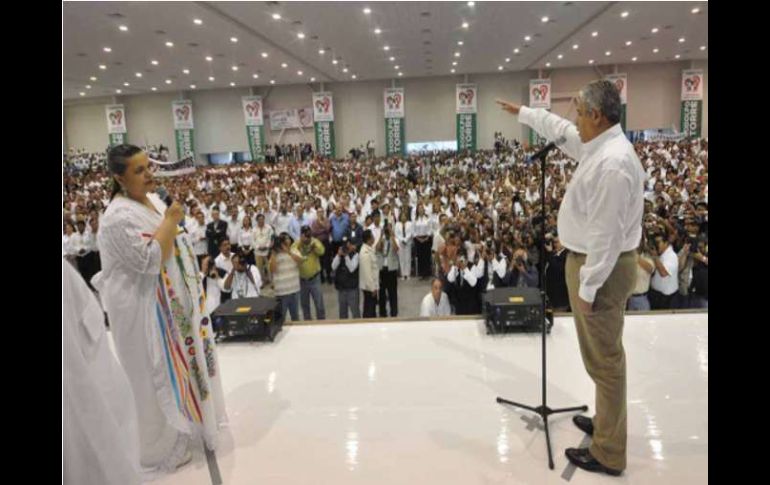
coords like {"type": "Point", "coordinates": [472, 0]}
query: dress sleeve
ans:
{"type": "Point", "coordinates": [125, 240]}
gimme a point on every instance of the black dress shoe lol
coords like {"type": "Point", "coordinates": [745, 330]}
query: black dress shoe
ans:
{"type": "Point", "coordinates": [582, 458]}
{"type": "Point", "coordinates": [584, 424]}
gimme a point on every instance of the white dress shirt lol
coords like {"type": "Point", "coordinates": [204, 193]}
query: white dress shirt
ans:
{"type": "Point", "coordinates": [601, 215]}
{"type": "Point", "coordinates": [224, 262]}
{"type": "Point", "coordinates": [428, 308]}
{"type": "Point", "coordinates": [667, 285]}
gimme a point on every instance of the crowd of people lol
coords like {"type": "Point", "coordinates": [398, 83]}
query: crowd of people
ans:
{"type": "Point", "coordinates": [299, 152]}
{"type": "Point", "coordinates": [469, 222]}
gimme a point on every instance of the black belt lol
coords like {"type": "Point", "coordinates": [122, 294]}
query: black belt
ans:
{"type": "Point", "coordinates": [308, 279]}
{"type": "Point", "coordinates": [641, 294]}
{"type": "Point", "coordinates": [624, 253]}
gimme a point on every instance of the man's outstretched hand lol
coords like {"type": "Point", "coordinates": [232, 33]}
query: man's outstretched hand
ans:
{"type": "Point", "coordinates": [509, 107]}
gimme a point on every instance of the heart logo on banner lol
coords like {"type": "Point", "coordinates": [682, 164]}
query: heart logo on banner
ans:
{"type": "Point", "coordinates": [469, 95]}
{"type": "Point", "coordinates": [183, 113]}
{"type": "Point", "coordinates": [619, 84]}
{"type": "Point", "coordinates": [391, 102]}
{"type": "Point", "coordinates": [397, 99]}
{"type": "Point", "coordinates": [463, 98]}
{"type": "Point", "coordinates": [326, 103]}
{"type": "Point", "coordinates": [253, 109]}
{"type": "Point", "coordinates": [536, 93]}
{"type": "Point", "coordinates": [116, 117]}
{"type": "Point", "coordinates": [694, 82]}
{"type": "Point", "coordinates": [543, 91]}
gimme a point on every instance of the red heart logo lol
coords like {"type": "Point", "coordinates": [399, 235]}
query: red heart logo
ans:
{"type": "Point", "coordinates": [252, 109]}
{"type": "Point", "coordinates": [543, 90]}
{"type": "Point", "coordinates": [183, 113]}
{"type": "Point", "coordinates": [469, 95]}
{"type": "Point", "coordinates": [536, 93]}
{"type": "Point", "coordinates": [391, 102]}
{"type": "Point", "coordinates": [116, 117]}
{"type": "Point", "coordinates": [326, 103]}
{"type": "Point", "coordinates": [397, 99]}
{"type": "Point", "coordinates": [463, 98]}
{"type": "Point", "coordinates": [695, 82]}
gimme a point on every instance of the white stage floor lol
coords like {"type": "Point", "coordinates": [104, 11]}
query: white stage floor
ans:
{"type": "Point", "coordinates": [414, 403]}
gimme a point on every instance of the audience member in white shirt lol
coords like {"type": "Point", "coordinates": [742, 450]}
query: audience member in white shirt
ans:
{"type": "Point", "coordinates": [246, 241]}
{"type": "Point", "coordinates": [435, 303]}
{"type": "Point", "coordinates": [223, 261]}
{"type": "Point", "coordinates": [197, 231]}
{"type": "Point", "coordinates": [243, 281]}
{"type": "Point", "coordinates": [665, 280]}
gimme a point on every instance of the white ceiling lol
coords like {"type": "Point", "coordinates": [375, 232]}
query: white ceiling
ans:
{"type": "Point", "coordinates": [422, 45]}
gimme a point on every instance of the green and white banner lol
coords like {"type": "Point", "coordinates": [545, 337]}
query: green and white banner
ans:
{"type": "Point", "coordinates": [183, 128]}
{"type": "Point", "coordinates": [323, 116]}
{"type": "Point", "coordinates": [621, 83]}
{"type": "Point", "coordinates": [255, 129]}
{"type": "Point", "coordinates": [466, 108]}
{"type": "Point", "coordinates": [116, 124]}
{"type": "Point", "coordinates": [692, 103]}
{"type": "Point", "coordinates": [539, 97]}
{"type": "Point", "coordinates": [393, 103]}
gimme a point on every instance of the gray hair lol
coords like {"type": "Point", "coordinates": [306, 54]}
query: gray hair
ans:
{"type": "Point", "coordinates": [604, 97]}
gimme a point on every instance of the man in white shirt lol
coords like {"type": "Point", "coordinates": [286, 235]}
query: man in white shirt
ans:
{"type": "Point", "coordinates": [369, 275]}
{"type": "Point", "coordinates": [435, 303]}
{"type": "Point", "coordinates": [197, 232]}
{"type": "Point", "coordinates": [665, 280]}
{"type": "Point", "coordinates": [243, 281]}
{"type": "Point", "coordinates": [263, 241]}
{"type": "Point", "coordinates": [223, 260]}
{"type": "Point", "coordinates": [600, 222]}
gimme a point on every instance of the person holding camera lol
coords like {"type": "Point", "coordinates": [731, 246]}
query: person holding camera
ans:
{"type": "Point", "coordinates": [368, 276]}
{"type": "Point", "coordinates": [387, 249]}
{"type": "Point", "coordinates": [665, 281]}
{"type": "Point", "coordinates": [311, 250]}
{"type": "Point", "coordinates": [521, 273]}
{"type": "Point", "coordinates": [346, 278]}
{"type": "Point", "coordinates": [213, 283]}
{"type": "Point", "coordinates": [284, 269]}
{"type": "Point", "coordinates": [464, 280]}
{"type": "Point", "coordinates": [244, 280]}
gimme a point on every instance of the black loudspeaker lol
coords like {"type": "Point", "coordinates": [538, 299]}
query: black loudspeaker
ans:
{"type": "Point", "coordinates": [259, 317]}
{"type": "Point", "coordinates": [514, 310]}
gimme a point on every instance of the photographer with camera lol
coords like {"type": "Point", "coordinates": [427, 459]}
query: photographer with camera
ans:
{"type": "Point", "coordinates": [213, 283]}
{"type": "Point", "coordinates": [665, 281]}
{"type": "Point", "coordinates": [284, 268]}
{"type": "Point", "coordinates": [311, 250]}
{"type": "Point", "coordinates": [387, 250]}
{"type": "Point", "coordinates": [521, 273]}
{"type": "Point", "coordinates": [244, 280]}
{"type": "Point", "coordinates": [368, 277]}
{"type": "Point", "coordinates": [464, 281]}
{"type": "Point", "coordinates": [346, 278]}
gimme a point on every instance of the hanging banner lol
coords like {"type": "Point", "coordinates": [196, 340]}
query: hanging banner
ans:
{"type": "Point", "coordinates": [116, 124]}
{"type": "Point", "coordinates": [323, 115]}
{"type": "Point", "coordinates": [255, 130]}
{"type": "Point", "coordinates": [540, 93]}
{"type": "Point", "coordinates": [393, 104]}
{"type": "Point", "coordinates": [692, 103]}
{"type": "Point", "coordinates": [183, 128]}
{"type": "Point", "coordinates": [291, 119]}
{"type": "Point", "coordinates": [621, 83]}
{"type": "Point", "coordinates": [466, 108]}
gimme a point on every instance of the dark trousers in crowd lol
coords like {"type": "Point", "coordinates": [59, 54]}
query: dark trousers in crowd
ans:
{"type": "Point", "coordinates": [349, 300]}
{"type": "Point", "coordinates": [288, 303]}
{"type": "Point", "coordinates": [388, 292]}
{"type": "Point", "coordinates": [326, 263]}
{"type": "Point", "coordinates": [370, 304]}
{"type": "Point", "coordinates": [659, 301]}
{"type": "Point", "coordinates": [312, 287]}
{"type": "Point", "coordinates": [249, 256]}
{"type": "Point", "coordinates": [88, 265]}
{"type": "Point", "coordinates": [422, 249]}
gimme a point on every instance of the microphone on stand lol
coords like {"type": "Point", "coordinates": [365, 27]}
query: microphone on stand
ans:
{"type": "Point", "coordinates": [544, 151]}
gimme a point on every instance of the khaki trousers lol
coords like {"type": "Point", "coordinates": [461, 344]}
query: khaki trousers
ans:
{"type": "Point", "coordinates": [600, 336]}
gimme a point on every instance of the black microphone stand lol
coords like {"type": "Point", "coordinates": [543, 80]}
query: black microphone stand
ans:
{"type": "Point", "coordinates": [543, 410]}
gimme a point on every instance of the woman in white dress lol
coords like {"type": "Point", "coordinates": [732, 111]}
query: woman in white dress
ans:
{"type": "Point", "coordinates": [151, 288]}
{"type": "Point", "coordinates": [404, 234]}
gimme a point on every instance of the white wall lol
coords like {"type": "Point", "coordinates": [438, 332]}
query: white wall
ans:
{"type": "Point", "coordinates": [653, 102]}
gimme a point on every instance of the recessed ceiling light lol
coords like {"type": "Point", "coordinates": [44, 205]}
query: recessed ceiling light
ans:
{"type": "Point", "coordinates": [594, 34]}
{"type": "Point", "coordinates": [353, 76]}
{"type": "Point", "coordinates": [198, 21]}
{"type": "Point", "coordinates": [299, 73]}
{"type": "Point", "coordinates": [88, 86]}
{"type": "Point", "coordinates": [628, 42]}
{"type": "Point", "coordinates": [300, 35]}
{"type": "Point", "coordinates": [465, 25]}
{"type": "Point", "coordinates": [321, 51]}
{"type": "Point", "coordinates": [345, 70]}
{"type": "Point", "coordinates": [591, 61]}
{"type": "Point", "coordinates": [516, 50]}
{"type": "Point", "coordinates": [575, 46]}
{"type": "Point", "coordinates": [452, 71]}
{"type": "Point", "coordinates": [633, 59]}
{"type": "Point", "coordinates": [153, 88]}
{"type": "Point", "coordinates": [560, 56]}
{"type": "Point", "coordinates": [123, 28]}
{"type": "Point", "coordinates": [211, 78]}
{"type": "Point", "coordinates": [377, 31]}
{"type": "Point", "coordinates": [155, 63]}
{"type": "Point", "coordinates": [107, 49]}
{"type": "Point", "coordinates": [459, 42]}
{"type": "Point", "coordinates": [126, 84]}
{"type": "Point", "coordinates": [209, 58]}
{"type": "Point", "coordinates": [681, 40]}
{"type": "Point", "coordinates": [284, 65]}
{"type": "Point", "coordinates": [547, 64]}
{"type": "Point", "coordinates": [396, 67]}
{"type": "Point", "coordinates": [334, 61]}
{"type": "Point", "coordinates": [232, 84]}
{"type": "Point", "coordinates": [695, 10]}
{"type": "Point", "coordinates": [312, 79]}
{"type": "Point", "coordinates": [192, 86]}
{"type": "Point", "coordinates": [276, 16]}
{"type": "Point", "coordinates": [367, 10]}
{"type": "Point", "coordinates": [186, 71]}
{"type": "Point", "coordinates": [527, 38]}
{"type": "Point", "coordinates": [168, 81]}
{"type": "Point", "coordinates": [608, 53]}
{"type": "Point", "coordinates": [386, 48]}
{"type": "Point", "coordinates": [234, 68]}
{"type": "Point", "coordinates": [93, 78]}
{"type": "Point", "coordinates": [499, 68]}
{"type": "Point", "coordinates": [454, 63]}
{"type": "Point", "coordinates": [169, 44]}
{"type": "Point", "coordinates": [507, 59]}
{"type": "Point", "coordinates": [391, 58]}
{"type": "Point", "coordinates": [457, 54]}
{"type": "Point", "coordinates": [654, 30]}
{"type": "Point", "coordinates": [624, 15]}
{"type": "Point", "coordinates": [703, 48]}
{"type": "Point", "coordinates": [655, 50]}
{"type": "Point", "coordinates": [400, 74]}
{"type": "Point", "coordinates": [677, 56]}
{"type": "Point", "coordinates": [102, 67]}
{"type": "Point", "coordinates": [544, 20]}
{"type": "Point", "coordinates": [272, 81]}
{"type": "Point", "coordinates": [118, 91]}
{"type": "Point", "coordinates": [233, 39]}
{"type": "Point", "coordinates": [138, 74]}
{"type": "Point", "coordinates": [471, 4]}
{"type": "Point", "coordinates": [264, 54]}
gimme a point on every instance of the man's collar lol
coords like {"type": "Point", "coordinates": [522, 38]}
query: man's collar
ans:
{"type": "Point", "coordinates": [607, 134]}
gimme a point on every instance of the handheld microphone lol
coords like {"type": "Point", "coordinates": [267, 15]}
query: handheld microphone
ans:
{"type": "Point", "coordinates": [544, 151]}
{"type": "Point", "coordinates": [166, 197]}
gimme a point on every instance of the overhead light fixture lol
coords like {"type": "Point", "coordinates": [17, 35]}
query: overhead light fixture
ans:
{"type": "Point", "coordinates": [353, 76]}
{"type": "Point", "coordinates": [321, 51]}
{"type": "Point", "coordinates": [624, 15]}
{"type": "Point", "coordinates": [169, 44]}
{"type": "Point", "coordinates": [107, 49]}
{"type": "Point", "coordinates": [465, 25]}
{"type": "Point", "coordinates": [507, 59]}
{"type": "Point", "coordinates": [377, 31]}
{"type": "Point", "coordinates": [232, 84]}
{"type": "Point", "coordinates": [123, 28]}
{"type": "Point", "coordinates": [300, 35]}
{"type": "Point", "coordinates": [681, 40]}
{"type": "Point", "coordinates": [93, 78]}
{"type": "Point", "coordinates": [396, 67]}
{"type": "Point", "coordinates": [633, 59]}
{"type": "Point", "coordinates": [594, 33]}
{"type": "Point", "coordinates": [452, 71]}
{"type": "Point", "coordinates": [547, 64]}
{"type": "Point", "coordinates": [234, 68]}
{"type": "Point", "coordinates": [312, 79]}
{"type": "Point", "coordinates": [209, 58]}
{"type": "Point", "coordinates": [198, 21]}
{"type": "Point", "coordinates": [655, 50]}
{"type": "Point", "coordinates": [138, 74]}
{"type": "Point", "coordinates": [400, 74]}
{"type": "Point", "coordinates": [471, 4]}
{"type": "Point", "coordinates": [703, 47]}
{"type": "Point", "coordinates": [454, 63]}
{"type": "Point", "coordinates": [391, 58]}
{"type": "Point", "coordinates": [186, 71]}
{"type": "Point", "coordinates": [276, 16]}
{"type": "Point", "coordinates": [102, 67]}
{"type": "Point", "coordinates": [192, 86]}
{"type": "Point", "coordinates": [628, 42]}
{"type": "Point", "coordinates": [695, 10]}
{"type": "Point", "coordinates": [334, 61]}
{"type": "Point", "coordinates": [457, 54]}
{"type": "Point", "coordinates": [345, 70]}
{"type": "Point", "coordinates": [168, 81]}
{"type": "Point", "coordinates": [367, 10]}
{"type": "Point", "coordinates": [82, 93]}
{"type": "Point", "coordinates": [591, 61]}
{"type": "Point", "coordinates": [608, 53]}
{"type": "Point", "coordinates": [88, 86]}
{"type": "Point", "coordinates": [255, 76]}
{"type": "Point", "coordinates": [677, 56]}
{"type": "Point", "coordinates": [459, 42]}
{"type": "Point", "coordinates": [153, 88]}
{"type": "Point", "coordinates": [155, 63]}
{"type": "Point", "coordinates": [560, 56]}
{"type": "Point", "coordinates": [654, 30]}
{"type": "Point", "coordinates": [386, 48]}
{"type": "Point", "coordinates": [544, 20]}
{"type": "Point", "coordinates": [126, 84]}
{"type": "Point", "coordinates": [516, 50]}
{"type": "Point", "coordinates": [118, 91]}
{"type": "Point", "coordinates": [575, 47]}
{"type": "Point", "coordinates": [234, 39]}
{"type": "Point", "coordinates": [299, 73]}
{"type": "Point", "coordinates": [499, 68]}
{"type": "Point", "coordinates": [527, 38]}
{"type": "Point", "coordinates": [264, 54]}
{"type": "Point", "coordinates": [272, 81]}
{"type": "Point", "coordinates": [284, 65]}
{"type": "Point", "coordinates": [211, 78]}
